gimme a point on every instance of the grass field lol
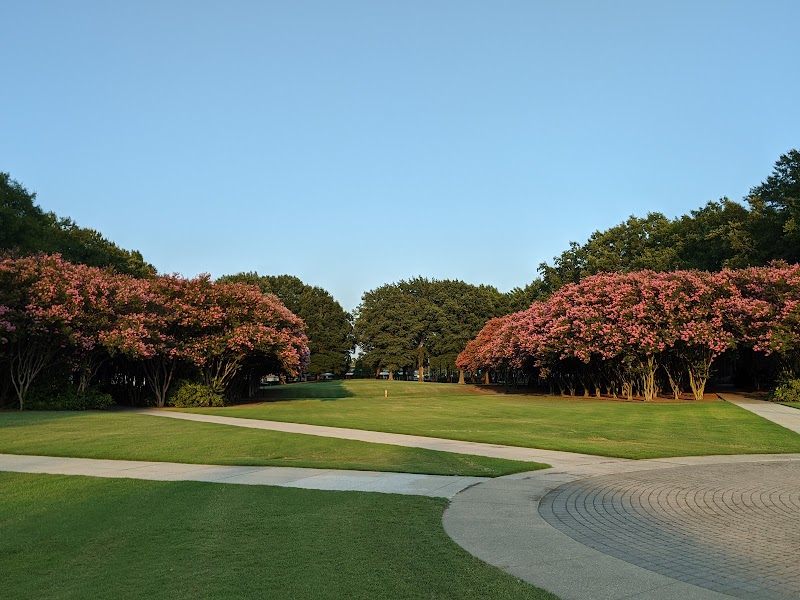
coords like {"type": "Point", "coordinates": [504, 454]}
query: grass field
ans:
{"type": "Point", "coordinates": [602, 427]}
{"type": "Point", "coordinates": [81, 537]}
{"type": "Point", "coordinates": [119, 435]}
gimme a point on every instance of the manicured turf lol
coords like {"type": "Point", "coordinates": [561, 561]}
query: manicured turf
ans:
{"type": "Point", "coordinates": [81, 537]}
{"type": "Point", "coordinates": [603, 427]}
{"type": "Point", "coordinates": [141, 437]}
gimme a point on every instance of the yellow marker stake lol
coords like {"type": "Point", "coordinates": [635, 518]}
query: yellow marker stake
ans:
{"type": "Point", "coordinates": [385, 393]}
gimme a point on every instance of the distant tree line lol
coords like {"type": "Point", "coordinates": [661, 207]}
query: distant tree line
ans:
{"type": "Point", "coordinates": [422, 323]}
{"type": "Point", "coordinates": [26, 229]}
{"type": "Point", "coordinates": [722, 234]}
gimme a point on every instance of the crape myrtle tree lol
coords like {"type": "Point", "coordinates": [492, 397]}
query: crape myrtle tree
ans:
{"type": "Point", "coordinates": [57, 314]}
{"type": "Point", "coordinates": [626, 334]}
{"type": "Point", "coordinates": [35, 330]}
{"type": "Point", "coordinates": [328, 326]}
{"type": "Point", "coordinates": [168, 322]}
{"type": "Point", "coordinates": [422, 323]}
{"type": "Point", "coordinates": [762, 311]}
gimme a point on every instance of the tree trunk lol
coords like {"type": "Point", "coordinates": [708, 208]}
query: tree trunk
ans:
{"type": "Point", "coordinates": [486, 377]}
{"type": "Point", "coordinates": [649, 389]}
{"type": "Point", "coordinates": [674, 378]}
{"type": "Point", "coordinates": [391, 375]}
{"type": "Point", "coordinates": [699, 370]}
{"type": "Point", "coordinates": [28, 358]}
{"type": "Point", "coordinates": [158, 374]}
{"type": "Point", "coordinates": [461, 377]}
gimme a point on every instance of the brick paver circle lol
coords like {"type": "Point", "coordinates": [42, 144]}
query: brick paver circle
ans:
{"type": "Point", "coordinates": [732, 528]}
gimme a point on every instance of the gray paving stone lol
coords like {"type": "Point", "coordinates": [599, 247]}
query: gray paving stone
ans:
{"type": "Point", "coordinates": [738, 523]}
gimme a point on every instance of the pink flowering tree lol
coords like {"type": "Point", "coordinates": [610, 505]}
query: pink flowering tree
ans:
{"type": "Point", "coordinates": [148, 331]}
{"type": "Point", "coordinates": [230, 322]}
{"type": "Point", "coordinates": [79, 298]}
{"type": "Point", "coordinates": [628, 332]}
{"type": "Point", "coordinates": [169, 322]}
{"type": "Point", "coordinates": [38, 310]}
{"type": "Point", "coordinates": [761, 309]}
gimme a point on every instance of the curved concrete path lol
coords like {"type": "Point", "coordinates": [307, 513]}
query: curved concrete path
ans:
{"type": "Point", "coordinates": [441, 486]}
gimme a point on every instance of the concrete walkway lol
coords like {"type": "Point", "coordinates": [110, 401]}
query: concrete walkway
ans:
{"type": "Point", "coordinates": [441, 486]}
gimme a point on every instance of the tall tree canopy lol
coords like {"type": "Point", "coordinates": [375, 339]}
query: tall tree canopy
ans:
{"type": "Point", "coordinates": [328, 326]}
{"type": "Point", "coordinates": [413, 323]}
{"type": "Point", "coordinates": [776, 207]}
{"type": "Point", "coordinates": [26, 229]}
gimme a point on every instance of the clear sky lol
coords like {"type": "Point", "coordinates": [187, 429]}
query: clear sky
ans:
{"type": "Point", "coordinates": [358, 143]}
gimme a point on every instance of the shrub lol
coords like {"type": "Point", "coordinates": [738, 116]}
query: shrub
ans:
{"type": "Point", "coordinates": [189, 394]}
{"type": "Point", "coordinates": [787, 390]}
{"type": "Point", "coordinates": [68, 398]}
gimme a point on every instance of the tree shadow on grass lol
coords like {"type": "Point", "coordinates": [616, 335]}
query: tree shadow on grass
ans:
{"type": "Point", "coordinates": [326, 391]}
{"type": "Point", "coordinates": [17, 418]}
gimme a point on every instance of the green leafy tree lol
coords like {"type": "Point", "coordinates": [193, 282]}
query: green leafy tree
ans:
{"type": "Point", "coordinates": [775, 204]}
{"type": "Point", "coordinates": [714, 237]}
{"type": "Point", "coordinates": [389, 328]}
{"type": "Point", "coordinates": [423, 323]}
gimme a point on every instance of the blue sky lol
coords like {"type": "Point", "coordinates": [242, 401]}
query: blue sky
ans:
{"type": "Point", "coordinates": [358, 143]}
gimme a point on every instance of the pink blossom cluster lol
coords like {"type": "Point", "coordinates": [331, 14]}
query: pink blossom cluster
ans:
{"type": "Point", "coordinates": [93, 313]}
{"type": "Point", "coordinates": [613, 319]}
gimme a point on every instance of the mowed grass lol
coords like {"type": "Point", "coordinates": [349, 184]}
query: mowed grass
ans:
{"type": "Point", "coordinates": [119, 435]}
{"type": "Point", "coordinates": [81, 537]}
{"type": "Point", "coordinates": [602, 427]}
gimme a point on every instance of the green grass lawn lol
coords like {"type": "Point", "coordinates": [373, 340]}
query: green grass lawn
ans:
{"type": "Point", "coordinates": [120, 435]}
{"type": "Point", "coordinates": [82, 537]}
{"type": "Point", "coordinates": [603, 427]}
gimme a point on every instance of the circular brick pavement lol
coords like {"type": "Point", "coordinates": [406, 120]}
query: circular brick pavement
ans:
{"type": "Point", "coordinates": [732, 528]}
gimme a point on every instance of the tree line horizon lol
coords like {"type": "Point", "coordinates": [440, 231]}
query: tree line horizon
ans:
{"type": "Point", "coordinates": [424, 324]}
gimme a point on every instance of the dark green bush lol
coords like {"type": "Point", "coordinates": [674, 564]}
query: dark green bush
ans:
{"type": "Point", "coordinates": [67, 398]}
{"type": "Point", "coordinates": [787, 390]}
{"type": "Point", "coordinates": [188, 394]}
